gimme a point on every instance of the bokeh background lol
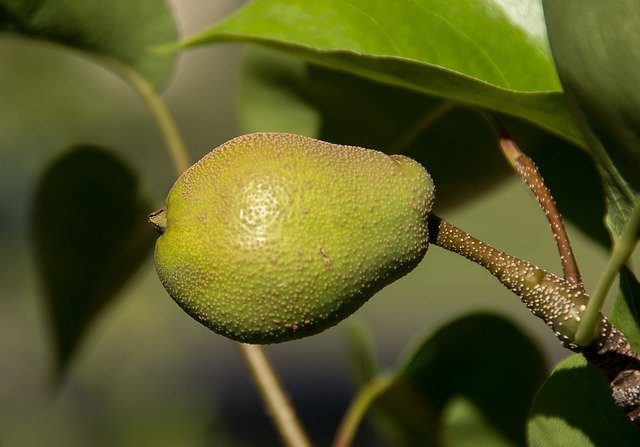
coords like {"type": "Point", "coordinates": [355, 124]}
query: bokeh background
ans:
{"type": "Point", "coordinates": [147, 374]}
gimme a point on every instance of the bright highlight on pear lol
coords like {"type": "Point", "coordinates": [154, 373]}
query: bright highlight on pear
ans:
{"type": "Point", "coordinates": [272, 237]}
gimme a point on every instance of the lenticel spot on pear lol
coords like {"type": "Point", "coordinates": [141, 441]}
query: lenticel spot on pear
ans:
{"type": "Point", "coordinates": [273, 236]}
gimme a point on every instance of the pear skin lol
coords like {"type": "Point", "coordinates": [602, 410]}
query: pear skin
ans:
{"type": "Point", "coordinates": [272, 237]}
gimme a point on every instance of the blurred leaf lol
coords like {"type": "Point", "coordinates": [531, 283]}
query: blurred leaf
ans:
{"type": "Point", "coordinates": [596, 46]}
{"type": "Point", "coordinates": [626, 310]}
{"type": "Point", "coordinates": [118, 29]}
{"type": "Point", "coordinates": [575, 408]}
{"type": "Point", "coordinates": [466, 426]}
{"type": "Point", "coordinates": [282, 93]}
{"type": "Point", "coordinates": [484, 52]}
{"type": "Point", "coordinates": [479, 373]}
{"type": "Point", "coordinates": [573, 179]}
{"type": "Point", "coordinates": [361, 352]}
{"type": "Point", "coordinates": [90, 235]}
{"type": "Point", "coordinates": [271, 95]}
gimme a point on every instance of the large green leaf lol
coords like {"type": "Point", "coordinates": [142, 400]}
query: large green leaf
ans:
{"type": "Point", "coordinates": [119, 29]}
{"type": "Point", "coordinates": [470, 383]}
{"type": "Point", "coordinates": [574, 408]}
{"type": "Point", "coordinates": [596, 46]}
{"type": "Point", "coordinates": [484, 52]}
{"type": "Point", "coordinates": [90, 235]}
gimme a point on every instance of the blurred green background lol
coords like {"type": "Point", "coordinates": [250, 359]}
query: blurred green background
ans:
{"type": "Point", "coordinates": [147, 374]}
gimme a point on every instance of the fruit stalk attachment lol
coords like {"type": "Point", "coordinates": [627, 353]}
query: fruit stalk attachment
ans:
{"type": "Point", "coordinates": [561, 304]}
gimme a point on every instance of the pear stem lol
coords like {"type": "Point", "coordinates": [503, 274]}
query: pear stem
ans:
{"type": "Point", "coordinates": [279, 409]}
{"type": "Point", "coordinates": [558, 302]}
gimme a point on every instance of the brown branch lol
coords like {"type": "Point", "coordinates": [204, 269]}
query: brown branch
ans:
{"type": "Point", "coordinates": [527, 170]}
{"type": "Point", "coordinates": [561, 304]}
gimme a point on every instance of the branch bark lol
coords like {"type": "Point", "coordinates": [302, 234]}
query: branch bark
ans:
{"type": "Point", "coordinates": [561, 304]}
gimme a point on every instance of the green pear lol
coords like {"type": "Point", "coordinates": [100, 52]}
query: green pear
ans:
{"type": "Point", "coordinates": [272, 236]}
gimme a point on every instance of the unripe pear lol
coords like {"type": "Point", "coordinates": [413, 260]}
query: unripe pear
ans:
{"type": "Point", "coordinates": [272, 236]}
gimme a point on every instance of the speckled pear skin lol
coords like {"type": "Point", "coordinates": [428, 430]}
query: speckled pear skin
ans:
{"type": "Point", "coordinates": [272, 237]}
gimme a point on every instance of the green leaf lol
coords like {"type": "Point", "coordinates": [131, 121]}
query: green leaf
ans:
{"type": "Point", "coordinates": [361, 352]}
{"type": "Point", "coordinates": [596, 46]}
{"type": "Point", "coordinates": [90, 235]}
{"type": "Point", "coordinates": [484, 52]}
{"type": "Point", "coordinates": [626, 310]}
{"type": "Point", "coordinates": [271, 95]}
{"type": "Point", "coordinates": [474, 378]}
{"type": "Point", "coordinates": [282, 93]}
{"type": "Point", "coordinates": [465, 426]}
{"type": "Point", "coordinates": [575, 408]}
{"type": "Point", "coordinates": [118, 29]}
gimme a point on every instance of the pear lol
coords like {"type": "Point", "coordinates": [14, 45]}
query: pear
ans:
{"type": "Point", "coordinates": [272, 237]}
